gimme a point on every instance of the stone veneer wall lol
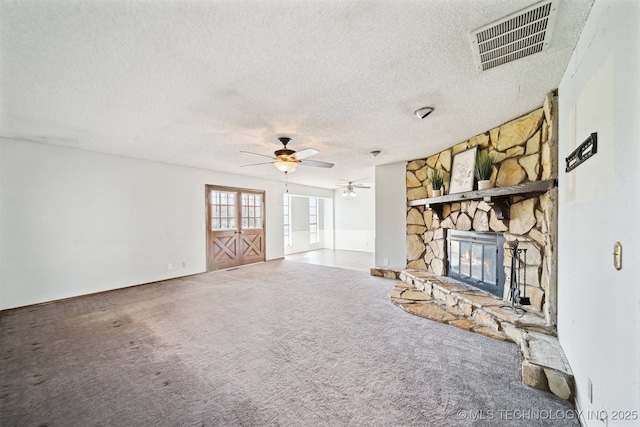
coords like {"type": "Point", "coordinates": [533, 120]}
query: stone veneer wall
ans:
{"type": "Point", "coordinates": [525, 150]}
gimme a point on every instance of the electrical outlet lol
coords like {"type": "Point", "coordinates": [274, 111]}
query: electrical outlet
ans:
{"type": "Point", "coordinates": [169, 267]}
{"type": "Point", "coordinates": [184, 264]}
{"type": "Point", "coordinates": [385, 261]}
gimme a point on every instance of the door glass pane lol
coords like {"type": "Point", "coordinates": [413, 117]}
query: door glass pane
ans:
{"type": "Point", "coordinates": [454, 257]}
{"type": "Point", "coordinates": [222, 210]}
{"type": "Point", "coordinates": [490, 264]}
{"type": "Point", "coordinates": [251, 211]}
{"type": "Point", "coordinates": [476, 262]}
{"type": "Point", "coordinates": [465, 258]}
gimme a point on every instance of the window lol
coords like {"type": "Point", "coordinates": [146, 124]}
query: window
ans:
{"type": "Point", "coordinates": [313, 220]}
{"type": "Point", "coordinates": [287, 220]}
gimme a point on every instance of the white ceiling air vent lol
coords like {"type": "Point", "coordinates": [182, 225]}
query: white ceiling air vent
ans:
{"type": "Point", "coordinates": [513, 37]}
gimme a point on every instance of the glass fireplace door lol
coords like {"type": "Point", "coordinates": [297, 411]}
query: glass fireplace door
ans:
{"type": "Point", "coordinates": [476, 258]}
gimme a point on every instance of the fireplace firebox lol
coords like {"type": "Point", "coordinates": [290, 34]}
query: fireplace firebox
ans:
{"type": "Point", "coordinates": [477, 258]}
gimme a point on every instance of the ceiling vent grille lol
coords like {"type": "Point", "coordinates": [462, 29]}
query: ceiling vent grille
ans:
{"type": "Point", "coordinates": [513, 37]}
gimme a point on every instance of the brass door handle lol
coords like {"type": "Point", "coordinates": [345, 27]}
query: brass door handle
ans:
{"type": "Point", "coordinates": [617, 255]}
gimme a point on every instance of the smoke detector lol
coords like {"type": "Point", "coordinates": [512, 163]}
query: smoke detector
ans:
{"type": "Point", "coordinates": [513, 37]}
{"type": "Point", "coordinates": [423, 112]}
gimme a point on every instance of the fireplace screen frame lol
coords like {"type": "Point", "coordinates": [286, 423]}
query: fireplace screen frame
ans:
{"type": "Point", "coordinates": [477, 243]}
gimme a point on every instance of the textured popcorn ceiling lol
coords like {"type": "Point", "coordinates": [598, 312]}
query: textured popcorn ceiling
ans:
{"type": "Point", "coordinates": [194, 82]}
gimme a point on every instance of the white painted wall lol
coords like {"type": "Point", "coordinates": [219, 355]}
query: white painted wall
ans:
{"type": "Point", "coordinates": [74, 222]}
{"type": "Point", "coordinates": [599, 204]}
{"type": "Point", "coordinates": [355, 220]}
{"type": "Point", "coordinates": [391, 215]}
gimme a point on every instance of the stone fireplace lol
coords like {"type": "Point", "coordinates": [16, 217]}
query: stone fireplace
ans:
{"type": "Point", "coordinates": [451, 275]}
{"type": "Point", "coordinates": [522, 205]}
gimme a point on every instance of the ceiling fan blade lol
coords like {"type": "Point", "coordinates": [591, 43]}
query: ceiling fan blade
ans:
{"type": "Point", "coordinates": [316, 163]}
{"type": "Point", "coordinates": [307, 152]}
{"type": "Point", "coordinates": [256, 154]}
{"type": "Point", "coordinates": [361, 186]}
{"type": "Point", "coordinates": [256, 164]}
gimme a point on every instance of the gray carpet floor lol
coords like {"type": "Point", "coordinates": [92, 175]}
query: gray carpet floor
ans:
{"type": "Point", "coordinates": [274, 344]}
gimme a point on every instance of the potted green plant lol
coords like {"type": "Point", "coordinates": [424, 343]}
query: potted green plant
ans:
{"type": "Point", "coordinates": [437, 179]}
{"type": "Point", "coordinates": [484, 169]}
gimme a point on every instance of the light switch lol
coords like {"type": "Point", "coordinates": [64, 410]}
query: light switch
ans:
{"type": "Point", "coordinates": [617, 256]}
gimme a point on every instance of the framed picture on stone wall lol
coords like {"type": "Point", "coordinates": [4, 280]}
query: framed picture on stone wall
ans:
{"type": "Point", "coordinates": [462, 171]}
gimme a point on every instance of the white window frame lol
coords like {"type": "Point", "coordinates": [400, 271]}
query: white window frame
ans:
{"type": "Point", "coordinates": [287, 219]}
{"type": "Point", "coordinates": [314, 235]}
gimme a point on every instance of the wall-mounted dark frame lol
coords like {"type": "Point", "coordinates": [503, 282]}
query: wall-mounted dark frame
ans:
{"type": "Point", "coordinates": [587, 149]}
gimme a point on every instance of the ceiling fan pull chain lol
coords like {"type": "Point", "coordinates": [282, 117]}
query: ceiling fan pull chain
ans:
{"type": "Point", "coordinates": [286, 182]}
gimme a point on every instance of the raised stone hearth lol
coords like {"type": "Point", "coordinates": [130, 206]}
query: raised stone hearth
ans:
{"type": "Point", "coordinates": [445, 300]}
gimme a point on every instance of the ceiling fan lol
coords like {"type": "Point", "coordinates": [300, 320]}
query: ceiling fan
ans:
{"type": "Point", "coordinates": [349, 189]}
{"type": "Point", "coordinates": [286, 160]}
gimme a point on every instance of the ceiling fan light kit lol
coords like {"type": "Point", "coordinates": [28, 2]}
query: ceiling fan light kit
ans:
{"type": "Point", "coordinates": [285, 166]}
{"type": "Point", "coordinates": [349, 192]}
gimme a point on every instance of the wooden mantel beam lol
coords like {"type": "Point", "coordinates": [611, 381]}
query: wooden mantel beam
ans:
{"type": "Point", "coordinates": [498, 197]}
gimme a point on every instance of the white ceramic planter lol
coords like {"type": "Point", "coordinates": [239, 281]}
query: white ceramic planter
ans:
{"type": "Point", "coordinates": [484, 184]}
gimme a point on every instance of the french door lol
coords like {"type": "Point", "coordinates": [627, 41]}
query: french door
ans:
{"type": "Point", "coordinates": [235, 227]}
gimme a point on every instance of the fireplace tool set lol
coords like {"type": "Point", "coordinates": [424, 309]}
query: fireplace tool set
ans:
{"type": "Point", "coordinates": [518, 270]}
